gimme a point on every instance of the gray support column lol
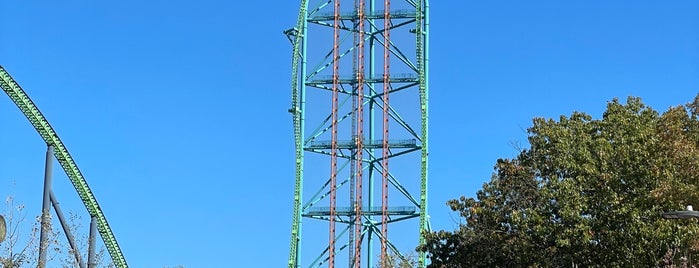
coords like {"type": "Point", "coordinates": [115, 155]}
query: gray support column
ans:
{"type": "Point", "coordinates": [3, 228]}
{"type": "Point", "coordinates": [66, 231]}
{"type": "Point", "coordinates": [45, 208]}
{"type": "Point", "coordinates": [91, 256]}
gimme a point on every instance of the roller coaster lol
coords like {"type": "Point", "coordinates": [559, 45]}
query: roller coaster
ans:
{"type": "Point", "coordinates": [375, 51]}
{"type": "Point", "coordinates": [63, 157]}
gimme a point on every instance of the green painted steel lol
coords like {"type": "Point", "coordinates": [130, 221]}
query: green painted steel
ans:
{"type": "Point", "coordinates": [42, 126]}
{"type": "Point", "coordinates": [422, 32]}
{"type": "Point", "coordinates": [297, 111]}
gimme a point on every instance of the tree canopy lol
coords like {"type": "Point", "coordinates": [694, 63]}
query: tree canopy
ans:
{"type": "Point", "coordinates": [587, 192]}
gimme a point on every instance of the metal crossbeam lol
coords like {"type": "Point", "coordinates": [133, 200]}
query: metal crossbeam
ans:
{"type": "Point", "coordinates": [350, 211]}
{"type": "Point", "coordinates": [395, 78]}
{"type": "Point", "coordinates": [369, 144]}
{"type": "Point", "coordinates": [376, 14]}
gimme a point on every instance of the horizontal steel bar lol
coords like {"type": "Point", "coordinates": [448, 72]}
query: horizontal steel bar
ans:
{"type": "Point", "coordinates": [350, 211]}
{"type": "Point", "coordinates": [353, 15]}
{"type": "Point", "coordinates": [395, 78]}
{"type": "Point", "coordinates": [368, 144]}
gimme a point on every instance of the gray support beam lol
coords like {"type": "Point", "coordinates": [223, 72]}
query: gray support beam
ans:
{"type": "Point", "coordinates": [45, 208]}
{"type": "Point", "coordinates": [92, 256]}
{"type": "Point", "coordinates": [66, 231]}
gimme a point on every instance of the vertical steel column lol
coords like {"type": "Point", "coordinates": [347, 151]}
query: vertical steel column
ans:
{"type": "Point", "coordinates": [66, 230]}
{"type": "Point", "coordinates": [334, 149]}
{"type": "Point", "coordinates": [352, 219]}
{"type": "Point", "coordinates": [92, 255]}
{"type": "Point", "coordinates": [360, 139]}
{"type": "Point", "coordinates": [386, 105]}
{"type": "Point", "coordinates": [372, 137]}
{"type": "Point", "coordinates": [45, 208]}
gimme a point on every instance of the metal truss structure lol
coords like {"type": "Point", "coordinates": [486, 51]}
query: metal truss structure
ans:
{"type": "Point", "coordinates": [359, 80]}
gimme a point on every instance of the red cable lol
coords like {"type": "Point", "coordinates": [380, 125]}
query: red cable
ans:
{"type": "Point", "coordinates": [333, 157]}
{"type": "Point", "coordinates": [360, 138]}
{"type": "Point", "coordinates": [384, 161]}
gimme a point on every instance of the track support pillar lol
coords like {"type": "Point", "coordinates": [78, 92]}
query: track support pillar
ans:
{"type": "Point", "coordinates": [92, 256]}
{"type": "Point", "coordinates": [66, 231]}
{"type": "Point", "coordinates": [45, 208]}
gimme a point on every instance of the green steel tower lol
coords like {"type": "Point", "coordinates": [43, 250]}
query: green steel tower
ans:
{"type": "Point", "coordinates": [359, 104]}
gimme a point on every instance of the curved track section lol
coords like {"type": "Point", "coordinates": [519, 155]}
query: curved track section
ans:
{"type": "Point", "coordinates": [42, 126]}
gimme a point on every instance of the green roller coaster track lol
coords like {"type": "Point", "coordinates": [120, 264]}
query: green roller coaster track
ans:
{"type": "Point", "coordinates": [42, 126]}
{"type": "Point", "coordinates": [296, 108]}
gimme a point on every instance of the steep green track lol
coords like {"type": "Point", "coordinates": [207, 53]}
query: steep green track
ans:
{"type": "Point", "coordinates": [297, 113]}
{"type": "Point", "coordinates": [42, 126]}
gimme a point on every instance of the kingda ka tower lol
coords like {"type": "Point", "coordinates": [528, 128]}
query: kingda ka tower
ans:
{"type": "Point", "coordinates": [359, 105]}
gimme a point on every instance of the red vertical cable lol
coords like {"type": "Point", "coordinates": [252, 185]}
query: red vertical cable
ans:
{"type": "Point", "coordinates": [360, 138]}
{"type": "Point", "coordinates": [333, 153]}
{"type": "Point", "coordinates": [384, 161]}
{"type": "Point", "coordinates": [353, 164]}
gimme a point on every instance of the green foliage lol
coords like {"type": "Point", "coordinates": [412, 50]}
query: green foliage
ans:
{"type": "Point", "coordinates": [588, 192]}
{"type": "Point", "coordinates": [396, 260]}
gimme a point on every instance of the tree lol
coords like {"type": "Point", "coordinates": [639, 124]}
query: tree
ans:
{"type": "Point", "coordinates": [587, 192]}
{"type": "Point", "coordinates": [21, 246]}
{"type": "Point", "coordinates": [16, 252]}
{"type": "Point", "coordinates": [395, 260]}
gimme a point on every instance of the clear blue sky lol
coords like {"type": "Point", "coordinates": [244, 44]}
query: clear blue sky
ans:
{"type": "Point", "coordinates": [176, 111]}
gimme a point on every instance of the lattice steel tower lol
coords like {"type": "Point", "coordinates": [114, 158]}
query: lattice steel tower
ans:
{"type": "Point", "coordinates": [359, 106]}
